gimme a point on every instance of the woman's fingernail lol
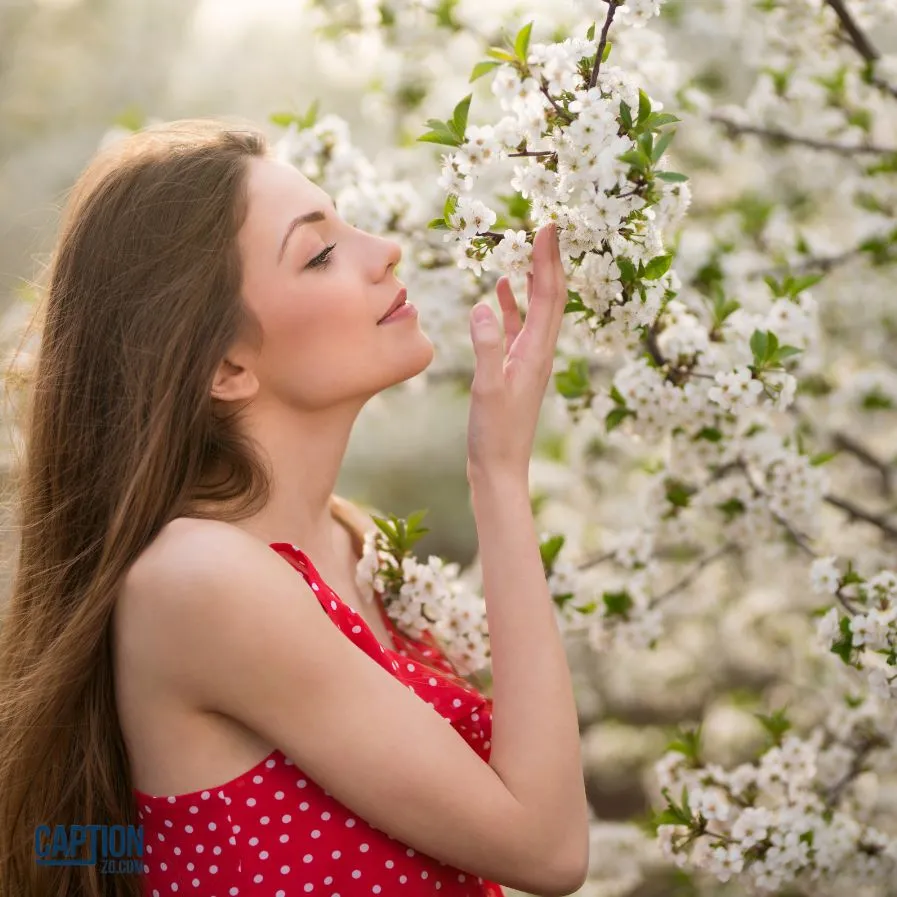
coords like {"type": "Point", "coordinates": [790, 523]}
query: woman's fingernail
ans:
{"type": "Point", "coordinates": [481, 314]}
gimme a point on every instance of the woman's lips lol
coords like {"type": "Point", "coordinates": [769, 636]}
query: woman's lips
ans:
{"type": "Point", "coordinates": [406, 310]}
{"type": "Point", "coordinates": [401, 298]}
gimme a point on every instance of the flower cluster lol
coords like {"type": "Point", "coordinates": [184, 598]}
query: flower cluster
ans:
{"type": "Point", "coordinates": [862, 629]}
{"type": "Point", "coordinates": [421, 598]}
{"type": "Point", "coordinates": [784, 819]}
{"type": "Point", "coordinates": [322, 149]}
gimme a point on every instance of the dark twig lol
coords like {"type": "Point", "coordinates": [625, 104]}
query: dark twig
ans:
{"type": "Point", "coordinates": [602, 43]}
{"type": "Point", "coordinates": [846, 443]}
{"type": "Point", "coordinates": [856, 513]}
{"type": "Point", "coordinates": [857, 38]}
{"type": "Point", "coordinates": [856, 767]}
{"type": "Point", "coordinates": [736, 129]}
{"type": "Point", "coordinates": [561, 112]}
{"type": "Point", "coordinates": [531, 153]}
{"type": "Point", "coordinates": [802, 541]}
{"type": "Point", "coordinates": [595, 561]}
{"type": "Point", "coordinates": [819, 264]}
{"type": "Point", "coordinates": [690, 577]}
{"type": "Point", "coordinates": [860, 42]}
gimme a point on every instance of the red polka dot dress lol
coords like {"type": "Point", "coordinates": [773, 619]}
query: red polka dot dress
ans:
{"type": "Point", "coordinates": [273, 832]}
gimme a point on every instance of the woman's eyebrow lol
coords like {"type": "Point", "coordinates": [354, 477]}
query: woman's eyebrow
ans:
{"type": "Point", "coordinates": [298, 221]}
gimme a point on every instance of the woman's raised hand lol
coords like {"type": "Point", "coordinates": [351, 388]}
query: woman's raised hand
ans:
{"type": "Point", "coordinates": [512, 371]}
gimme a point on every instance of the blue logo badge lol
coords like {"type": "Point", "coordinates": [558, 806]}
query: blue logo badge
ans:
{"type": "Point", "coordinates": [114, 848]}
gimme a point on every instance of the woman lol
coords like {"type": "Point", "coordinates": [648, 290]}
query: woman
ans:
{"type": "Point", "coordinates": [212, 331]}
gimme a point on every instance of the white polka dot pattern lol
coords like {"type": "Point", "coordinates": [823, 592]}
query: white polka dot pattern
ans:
{"type": "Point", "coordinates": [273, 832]}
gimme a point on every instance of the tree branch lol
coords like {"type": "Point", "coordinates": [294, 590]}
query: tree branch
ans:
{"type": "Point", "coordinates": [856, 513]}
{"type": "Point", "coordinates": [846, 443]}
{"type": "Point", "coordinates": [856, 767]}
{"type": "Point", "coordinates": [735, 129]}
{"type": "Point", "coordinates": [860, 42]}
{"type": "Point", "coordinates": [560, 111]}
{"type": "Point", "coordinates": [602, 43]}
{"type": "Point", "coordinates": [857, 38]}
{"type": "Point", "coordinates": [693, 574]}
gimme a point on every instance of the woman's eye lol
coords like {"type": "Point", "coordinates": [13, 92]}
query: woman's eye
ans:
{"type": "Point", "coordinates": [320, 260]}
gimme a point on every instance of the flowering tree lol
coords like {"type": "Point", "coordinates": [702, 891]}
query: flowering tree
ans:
{"type": "Point", "coordinates": [715, 468]}
{"type": "Point", "coordinates": [714, 483]}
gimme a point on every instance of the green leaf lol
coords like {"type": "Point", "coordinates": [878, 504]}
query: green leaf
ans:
{"type": "Point", "coordinates": [678, 494]}
{"type": "Point", "coordinates": [301, 120]}
{"type": "Point", "coordinates": [482, 68]}
{"type": "Point", "coordinates": [875, 400]}
{"type": "Point", "coordinates": [500, 54]}
{"type": "Point", "coordinates": [646, 142]}
{"type": "Point", "coordinates": [777, 724]}
{"type": "Point", "coordinates": [711, 434]}
{"type": "Point", "coordinates": [688, 743]}
{"type": "Point", "coordinates": [282, 119]}
{"type": "Point", "coordinates": [615, 417]}
{"type": "Point", "coordinates": [626, 115]}
{"type": "Point", "coordinates": [618, 604]}
{"type": "Point", "coordinates": [671, 177]}
{"type": "Point", "coordinates": [787, 351]}
{"type": "Point", "coordinates": [627, 269]}
{"type": "Point", "coordinates": [759, 345]}
{"type": "Point", "coordinates": [443, 138]}
{"type": "Point", "coordinates": [550, 549]}
{"type": "Point", "coordinates": [799, 284]}
{"type": "Point", "coordinates": [617, 396]}
{"type": "Point", "coordinates": [822, 458]}
{"type": "Point", "coordinates": [662, 143]}
{"type": "Point", "coordinates": [311, 116]}
{"type": "Point", "coordinates": [448, 209]}
{"type": "Point", "coordinates": [574, 382]}
{"type": "Point", "coordinates": [574, 303]}
{"type": "Point", "coordinates": [518, 206]}
{"type": "Point", "coordinates": [521, 42]}
{"type": "Point", "coordinates": [657, 267]}
{"type": "Point", "coordinates": [844, 646]}
{"type": "Point", "coordinates": [636, 159]}
{"type": "Point", "coordinates": [667, 817]}
{"type": "Point", "coordinates": [459, 117]}
{"type": "Point", "coordinates": [722, 307]}
{"type": "Point", "coordinates": [444, 13]}
{"type": "Point", "coordinates": [657, 120]}
{"type": "Point", "coordinates": [386, 527]}
{"type": "Point", "coordinates": [438, 224]}
{"type": "Point", "coordinates": [134, 118]}
{"type": "Point", "coordinates": [590, 34]}
{"type": "Point", "coordinates": [644, 106]}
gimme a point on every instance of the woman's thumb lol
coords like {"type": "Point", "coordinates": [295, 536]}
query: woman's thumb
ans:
{"type": "Point", "coordinates": [487, 341]}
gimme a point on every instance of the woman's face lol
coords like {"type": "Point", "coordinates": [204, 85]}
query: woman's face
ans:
{"type": "Point", "coordinates": [318, 289]}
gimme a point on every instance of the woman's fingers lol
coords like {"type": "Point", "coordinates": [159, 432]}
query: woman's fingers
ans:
{"type": "Point", "coordinates": [509, 310]}
{"type": "Point", "coordinates": [542, 316]}
{"type": "Point", "coordinates": [560, 296]}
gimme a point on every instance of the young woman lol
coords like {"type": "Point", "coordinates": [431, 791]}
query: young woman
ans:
{"type": "Point", "coordinates": [212, 330]}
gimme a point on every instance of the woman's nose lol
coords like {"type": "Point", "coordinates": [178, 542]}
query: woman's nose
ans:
{"type": "Point", "coordinates": [393, 254]}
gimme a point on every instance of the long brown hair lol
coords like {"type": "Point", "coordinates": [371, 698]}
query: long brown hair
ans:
{"type": "Point", "coordinates": [120, 436]}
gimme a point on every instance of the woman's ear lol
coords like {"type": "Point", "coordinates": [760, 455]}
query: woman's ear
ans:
{"type": "Point", "coordinates": [233, 382]}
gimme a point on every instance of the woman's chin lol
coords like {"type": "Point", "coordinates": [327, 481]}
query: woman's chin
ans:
{"type": "Point", "coordinates": [417, 359]}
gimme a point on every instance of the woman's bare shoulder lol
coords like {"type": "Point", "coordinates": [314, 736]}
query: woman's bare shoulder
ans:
{"type": "Point", "coordinates": [185, 546]}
